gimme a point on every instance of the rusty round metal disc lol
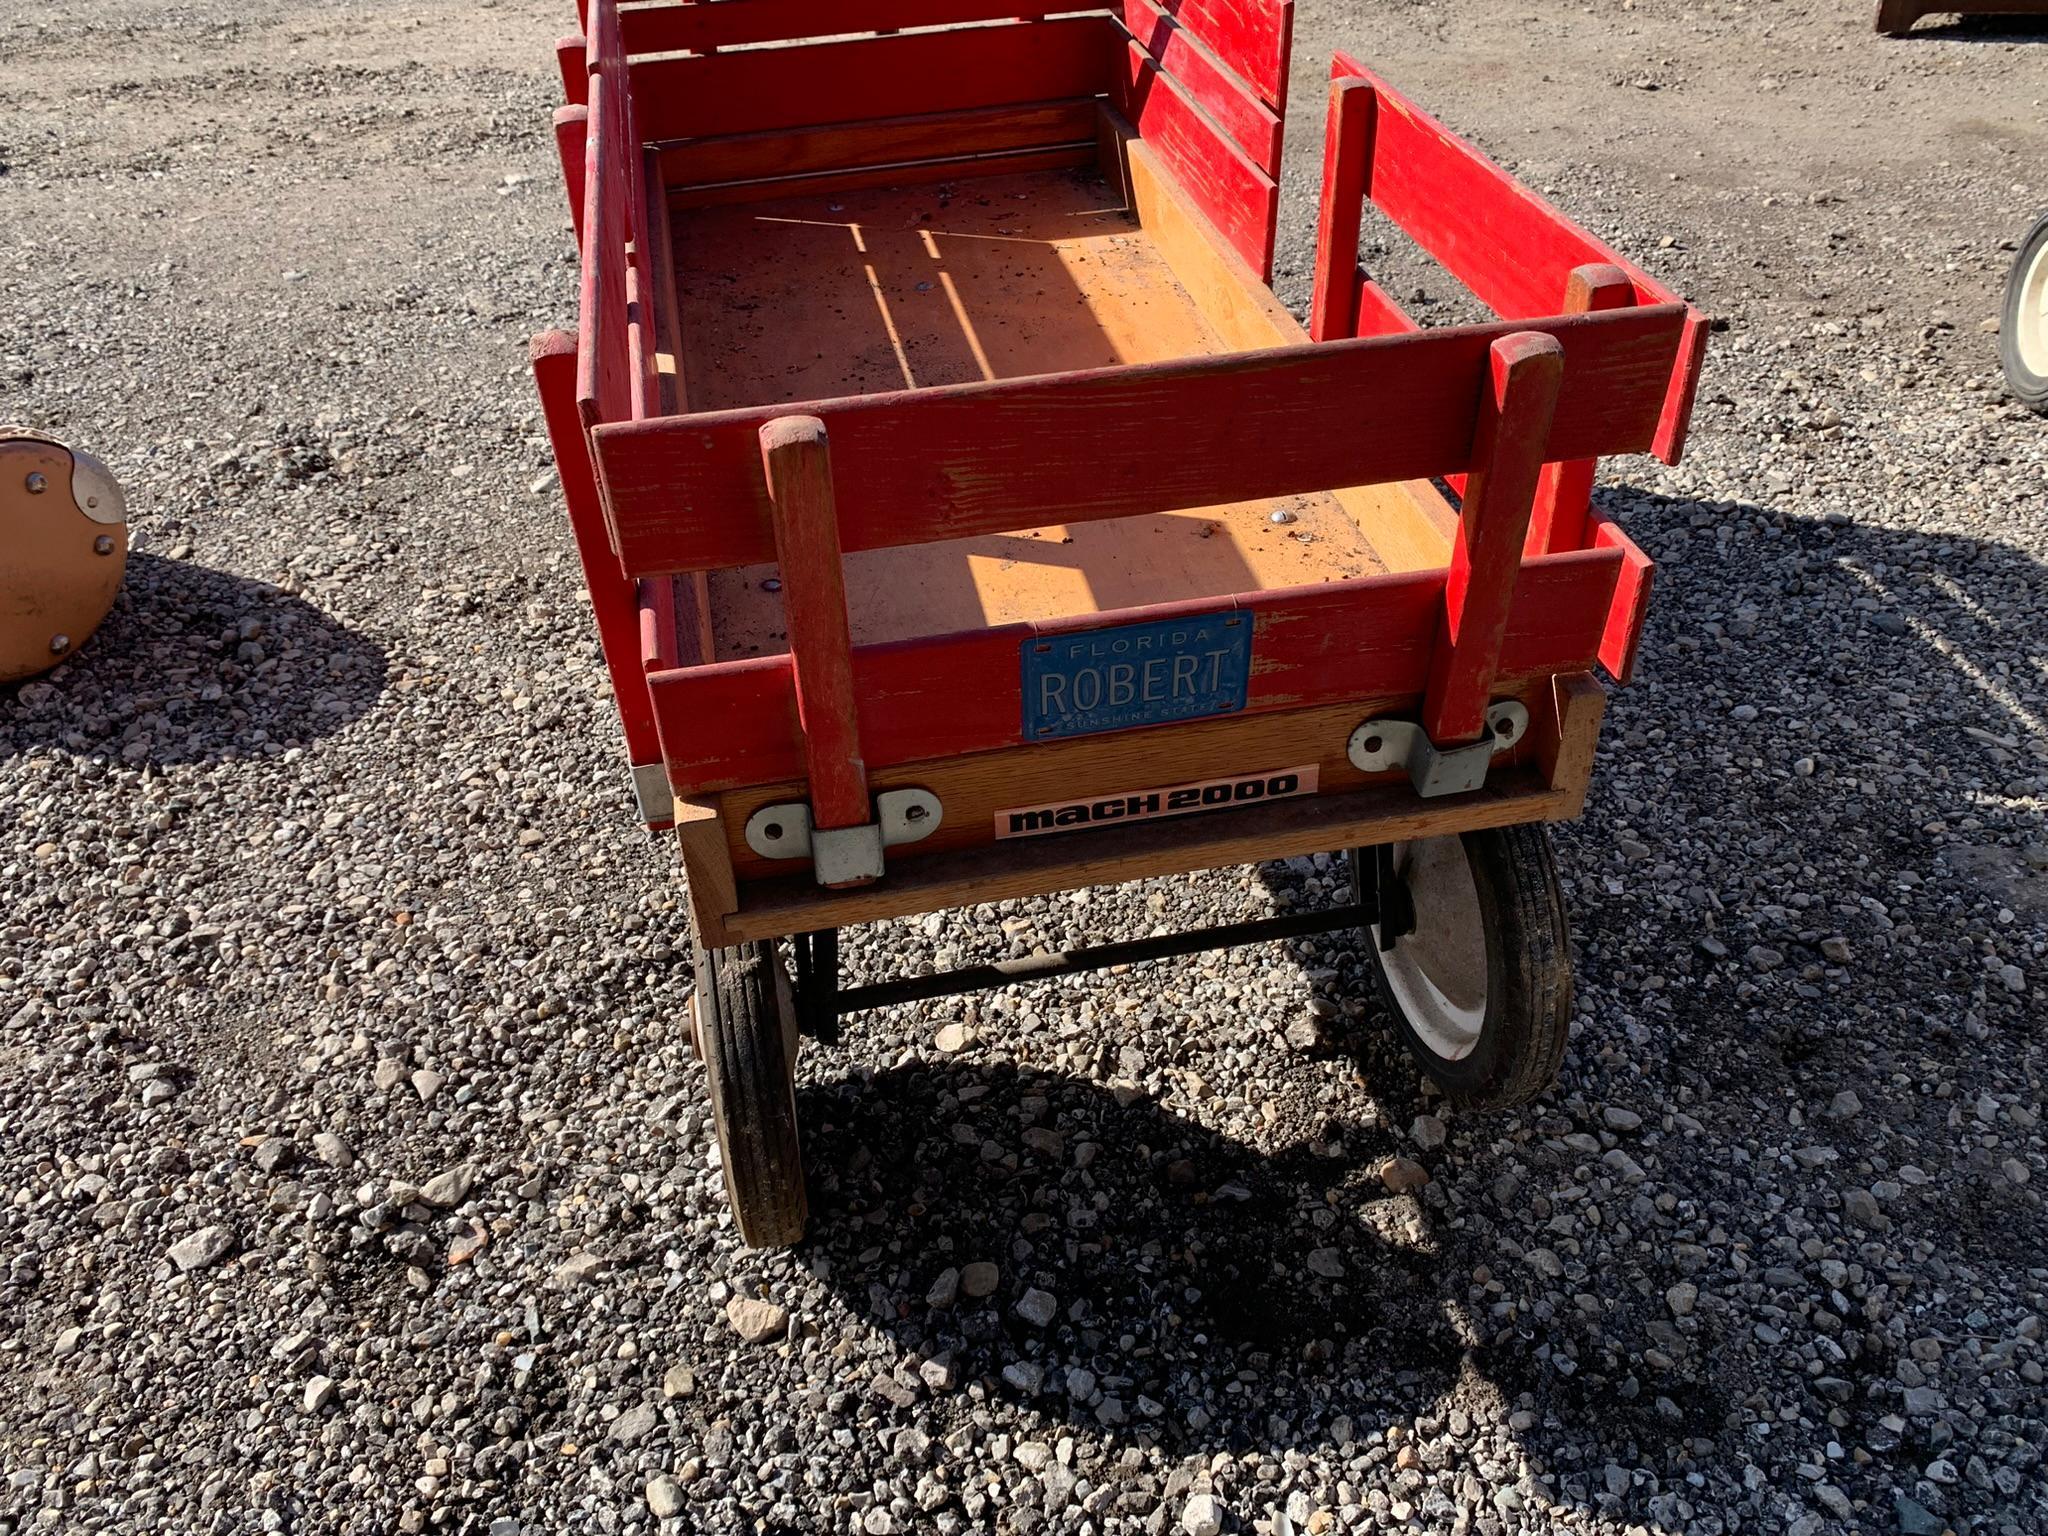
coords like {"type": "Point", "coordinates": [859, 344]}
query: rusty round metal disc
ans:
{"type": "Point", "coordinates": [63, 549]}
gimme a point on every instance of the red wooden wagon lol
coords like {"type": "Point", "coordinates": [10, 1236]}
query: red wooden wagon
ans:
{"type": "Point", "coordinates": [965, 519]}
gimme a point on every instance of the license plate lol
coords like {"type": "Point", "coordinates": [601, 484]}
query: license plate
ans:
{"type": "Point", "coordinates": [1136, 674]}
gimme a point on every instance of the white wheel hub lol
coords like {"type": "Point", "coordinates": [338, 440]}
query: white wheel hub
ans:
{"type": "Point", "coordinates": [1438, 973]}
{"type": "Point", "coordinates": [2031, 342]}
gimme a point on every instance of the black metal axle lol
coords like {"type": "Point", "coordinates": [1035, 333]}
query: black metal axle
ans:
{"type": "Point", "coordinates": [1069, 962]}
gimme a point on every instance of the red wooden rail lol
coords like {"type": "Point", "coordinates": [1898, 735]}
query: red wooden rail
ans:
{"type": "Point", "coordinates": [916, 466]}
{"type": "Point", "coordinates": [1514, 250]}
{"type": "Point", "coordinates": [797, 464]}
{"type": "Point", "coordinates": [1486, 550]}
{"type": "Point", "coordinates": [734, 723]}
{"type": "Point", "coordinates": [861, 79]}
{"type": "Point", "coordinates": [1240, 106]}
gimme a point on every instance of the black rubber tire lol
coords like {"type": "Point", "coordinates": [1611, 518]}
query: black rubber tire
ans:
{"type": "Point", "coordinates": [1528, 975]}
{"type": "Point", "coordinates": [746, 1032]}
{"type": "Point", "coordinates": [2028, 387]}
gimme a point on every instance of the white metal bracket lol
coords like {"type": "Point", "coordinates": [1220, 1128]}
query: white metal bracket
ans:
{"type": "Point", "coordinates": [652, 794]}
{"type": "Point", "coordinates": [1379, 745]}
{"type": "Point", "coordinates": [845, 855]}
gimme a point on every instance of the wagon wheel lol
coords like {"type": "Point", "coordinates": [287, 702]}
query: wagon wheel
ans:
{"type": "Point", "coordinates": [746, 1034]}
{"type": "Point", "coordinates": [2023, 327]}
{"type": "Point", "coordinates": [1478, 976]}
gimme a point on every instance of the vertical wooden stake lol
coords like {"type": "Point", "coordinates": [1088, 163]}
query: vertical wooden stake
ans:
{"type": "Point", "coordinates": [572, 58]}
{"type": "Point", "coordinates": [1347, 170]}
{"type": "Point", "coordinates": [797, 462]}
{"type": "Point", "coordinates": [1507, 456]}
{"type": "Point", "coordinates": [572, 132]}
{"type": "Point", "coordinates": [1565, 493]}
{"type": "Point", "coordinates": [614, 598]}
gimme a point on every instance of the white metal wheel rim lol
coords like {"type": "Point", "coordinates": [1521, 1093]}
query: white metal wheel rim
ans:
{"type": "Point", "coordinates": [2031, 342]}
{"type": "Point", "coordinates": [1438, 973]}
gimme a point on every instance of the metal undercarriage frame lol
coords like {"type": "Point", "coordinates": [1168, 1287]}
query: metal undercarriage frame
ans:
{"type": "Point", "coordinates": [821, 1002]}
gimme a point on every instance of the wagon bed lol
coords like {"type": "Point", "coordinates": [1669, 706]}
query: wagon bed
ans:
{"type": "Point", "coordinates": [964, 517]}
{"type": "Point", "coordinates": [850, 293]}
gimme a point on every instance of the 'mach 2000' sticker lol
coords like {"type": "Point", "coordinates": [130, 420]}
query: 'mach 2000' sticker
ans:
{"type": "Point", "coordinates": [1150, 804]}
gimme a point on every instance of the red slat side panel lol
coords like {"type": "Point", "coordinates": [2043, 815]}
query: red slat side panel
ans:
{"type": "Point", "coordinates": [916, 466]}
{"type": "Point", "coordinates": [734, 723]}
{"type": "Point", "coordinates": [1244, 116]}
{"type": "Point", "coordinates": [1253, 37]}
{"type": "Point", "coordinates": [1240, 199]}
{"type": "Point", "coordinates": [698, 28]}
{"type": "Point", "coordinates": [1513, 249]}
{"type": "Point", "coordinates": [762, 89]}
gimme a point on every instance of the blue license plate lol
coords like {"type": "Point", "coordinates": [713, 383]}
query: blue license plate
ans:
{"type": "Point", "coordinates": [1136, 674]}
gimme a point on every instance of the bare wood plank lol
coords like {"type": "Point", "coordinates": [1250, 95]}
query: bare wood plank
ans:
{"type": "Point", "coordinates": [1276, 830]}
{"type": "Point", "coordinates": [1565, 734]}
{"type": "Point", "coordinates": [714, 893]}
{"type": "Point", "coordinates": [976, 788]}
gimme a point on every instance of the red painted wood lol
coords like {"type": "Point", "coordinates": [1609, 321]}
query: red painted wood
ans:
{"type": "Point", "coordinates": [1513, 249]}
{"type": "Point", "coordinates": [572, 133]}
{"type": "Point", "coordinates": [1241, 200]}
{"type": "Point", "coordinates": [1622, 639]}
{"type": "Point", "coordinates": [1347, 158]}
{"type": "Point", "coordinates": [1486, 552]}
{"type": "Point", "coordinates": [912, 467]}
{"type": "Point", "coordinates": [621, 125]}
{"type": "Point", "coordinates": [612, 595]}
{"type": "Point", "coordinates": [796, 462]}
{"type": "Point", "coordinates": [604, 389]}
{"type": "Point", "coordinates": [733, 723]}
{"type": "Point", "coordinates": [1254, 126]}
{"type": "Point", "coordinates": [1253, 37]}
{"type": "Point", "coordinates": [1565, 490]}
{"type": "Point", "coordinates": [758, 90]}
{"type": "Point", "coordinates": [1377, 313]}
{"type": "Point", "coordinates": [699, 27]}
{"type": "Point", "coordinates": [574, 63]}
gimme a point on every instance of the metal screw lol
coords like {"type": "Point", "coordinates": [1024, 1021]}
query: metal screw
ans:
{"type": "Point", "coordinates": [103, 545]}
{"type": "Point", "coordinates": [38, 483]}
{"type": "Point", "coordinates": [59, 644]}
{"type": "Point", "coordinates": [915, 813]}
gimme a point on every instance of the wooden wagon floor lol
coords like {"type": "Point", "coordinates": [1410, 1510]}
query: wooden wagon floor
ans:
{"type": "Point", "coordinates": [855, 292]}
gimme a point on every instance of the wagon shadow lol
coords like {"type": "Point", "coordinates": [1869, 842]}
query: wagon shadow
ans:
{"type": "Point", "coordinates": [1207, 1296]}
{"type": "Point", "coordinates": [197, 665]}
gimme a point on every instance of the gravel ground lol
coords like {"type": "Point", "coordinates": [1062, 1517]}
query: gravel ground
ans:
{"type": "Point", "coordinates": [357, 1176]}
